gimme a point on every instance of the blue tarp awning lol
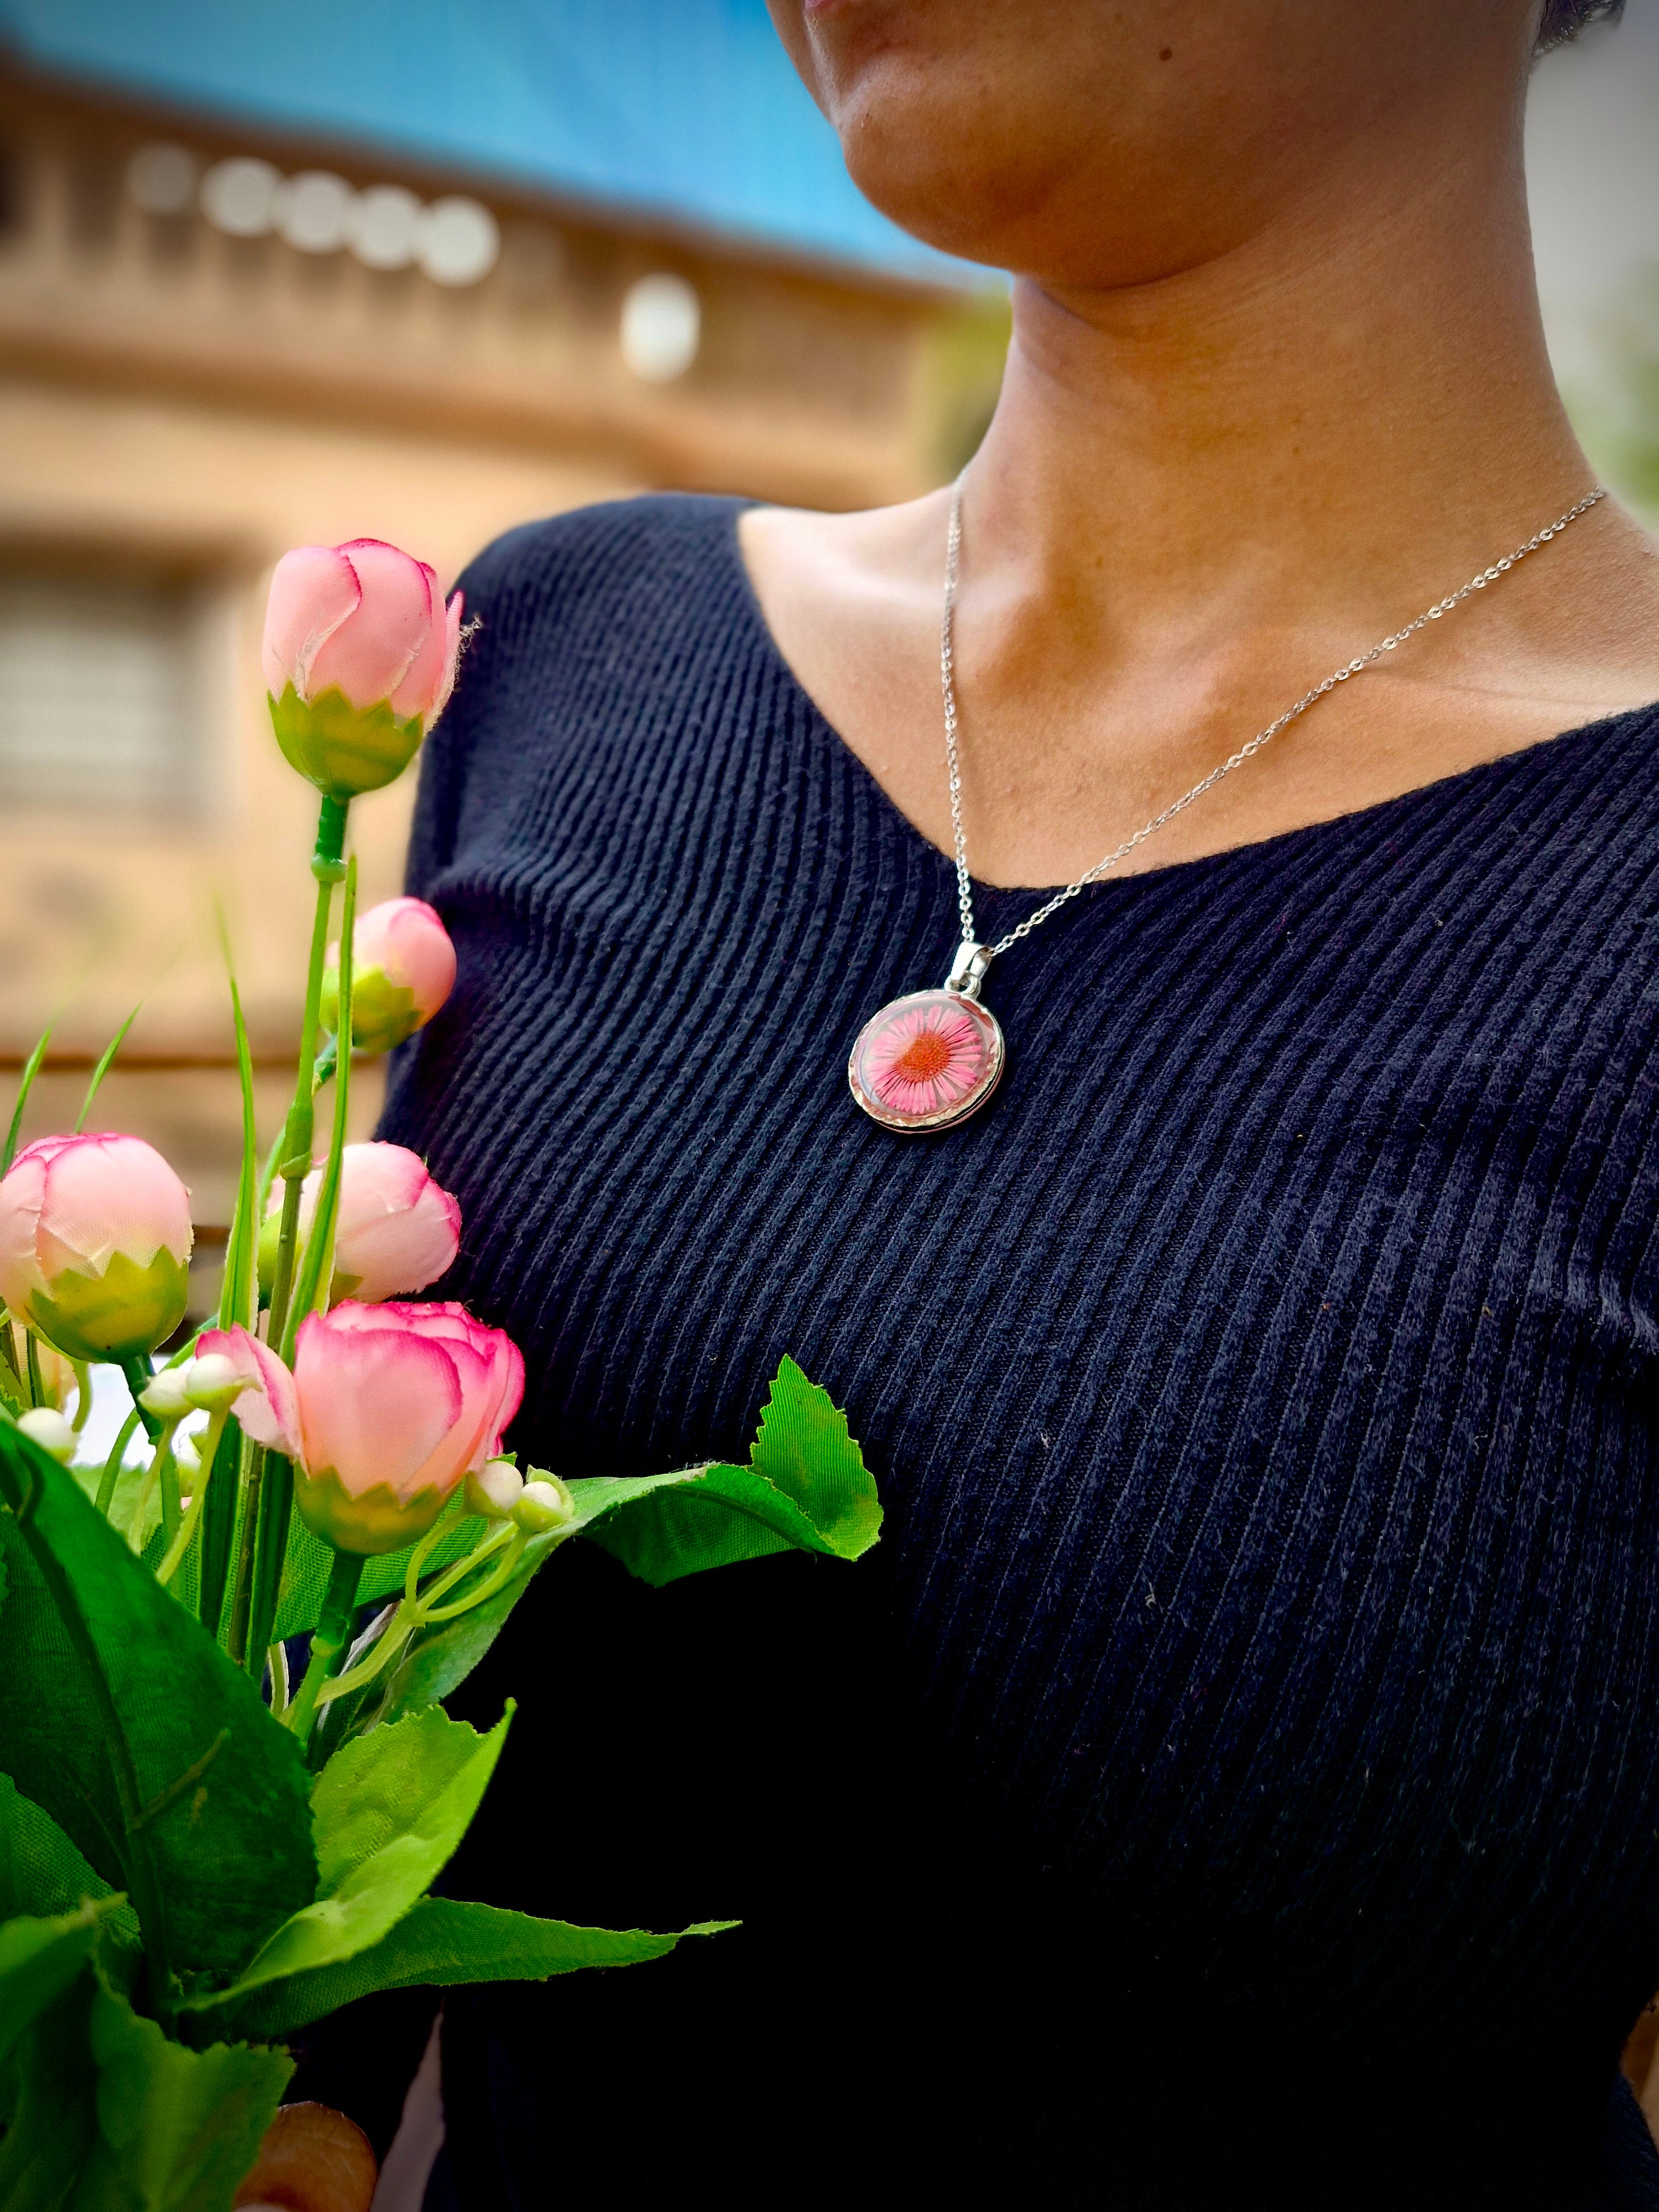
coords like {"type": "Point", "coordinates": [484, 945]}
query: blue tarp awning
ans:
{"type": "Point", "coordinates": [687, 108]}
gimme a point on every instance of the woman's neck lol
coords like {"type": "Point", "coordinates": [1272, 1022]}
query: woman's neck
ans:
{"type": "Point", "coordinates": [1355, 402]}
{"type": "Point", "coordinates": [1204, 491]}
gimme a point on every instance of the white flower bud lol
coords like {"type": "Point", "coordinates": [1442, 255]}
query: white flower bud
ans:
{"type": "Point", "coordinates": [212, 1382]}
{"type": "Point", "coordinates": [165, 1396]}
{"type": "Point", "coordinates": [49, 1430]}
{"type": "Point", "coordinates": [493, 1490]}
{"type": "Point", "coordinates": [543, 1504]}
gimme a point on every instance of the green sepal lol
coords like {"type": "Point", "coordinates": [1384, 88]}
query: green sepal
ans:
{"type": "Point", "coordinates": [343, 750]}
{"type": "Point", "coordinates": [370, 1521]}
{"type": "Point", "coordinates": [383, 1014]}
{"type": "Point", "coordinates": [122, 1313]}
{"type": "Point", "coordinates": [442, 1942]}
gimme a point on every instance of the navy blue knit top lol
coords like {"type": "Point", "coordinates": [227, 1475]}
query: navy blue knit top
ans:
{"type": "Point", "coordinates": [1235, 1776]}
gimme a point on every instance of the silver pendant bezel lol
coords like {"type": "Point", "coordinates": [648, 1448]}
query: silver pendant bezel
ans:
{"type": "Point", "coordinates": [947, 1117]}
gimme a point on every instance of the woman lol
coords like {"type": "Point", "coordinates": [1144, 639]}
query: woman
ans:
{"type": "Point", "coordinates": [1235, 1777]}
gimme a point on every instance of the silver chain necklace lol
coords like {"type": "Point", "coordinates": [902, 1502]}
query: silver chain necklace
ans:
{"type": "Point", "coordinates": [929, 1059]}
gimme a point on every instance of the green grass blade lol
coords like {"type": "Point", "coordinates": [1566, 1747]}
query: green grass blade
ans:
{"type": "Point", "coordinates": [26, 1084]}
{"type": "Point", "coordinates": [106, 1060]}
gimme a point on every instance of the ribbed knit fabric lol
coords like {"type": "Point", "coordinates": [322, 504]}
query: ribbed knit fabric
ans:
{"type": "Point", "coordinates": [1235, 1778]}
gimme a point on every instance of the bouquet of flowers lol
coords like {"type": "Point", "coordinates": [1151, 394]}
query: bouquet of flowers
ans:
{"type": "Point", "coordinates": [198, 1855]}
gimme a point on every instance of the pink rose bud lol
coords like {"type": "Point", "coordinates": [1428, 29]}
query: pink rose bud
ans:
{"type": "Point", "coordinates": [396, 1231]}
{"type": "Point", "coordinates": [94, 1244]}
{"type": "Point", "coordinates": [386, 1409]}
{"type": "Point", "coordinates": [359, 656]}
{"type": "Point", "coordinates": [403, 968]}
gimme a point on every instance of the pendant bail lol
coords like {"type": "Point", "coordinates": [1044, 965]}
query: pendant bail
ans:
{"type": "Point", "coordinates": [967, 969]}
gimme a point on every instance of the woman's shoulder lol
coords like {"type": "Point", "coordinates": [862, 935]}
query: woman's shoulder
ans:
{"type": "Point", "coordinates": [593, 563]}
{"type": "Point", "coordinates": [578, 625]}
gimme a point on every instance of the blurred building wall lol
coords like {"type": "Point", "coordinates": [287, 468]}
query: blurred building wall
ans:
{"type": "Point", "coordinates": [181, 399]}
{"type": "Point", "coordinates": [1593, 177]}
{"type": "Point", "coordinates": [193, 378]}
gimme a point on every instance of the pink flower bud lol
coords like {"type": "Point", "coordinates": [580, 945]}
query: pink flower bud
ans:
{"type": "Point", "coordinates": [94, 1244]}
{"type": "Point", "coordinates": [403, 968]}
{"type": "Point", "coordinates": [358, 657]}
{"type": "Point", "coordinates": [386, 1409]}
{"type": "Point", "coordinates": [396, 1232]}
{"type": "Point", "coordinates": [363, 619]}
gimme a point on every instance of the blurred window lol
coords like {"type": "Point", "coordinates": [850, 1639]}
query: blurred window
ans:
{"type": "Point", "coordinates": [97, 692]}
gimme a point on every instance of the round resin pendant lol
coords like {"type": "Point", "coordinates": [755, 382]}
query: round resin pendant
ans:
{"type": "Point", "coordinates": [926, 1061]}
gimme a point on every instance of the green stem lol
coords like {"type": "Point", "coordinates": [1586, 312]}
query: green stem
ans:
{"type": "Point", "coordinates": [180, 1543]}
{"type": "Point", "coordinates": [385, 1648]}
{"type": "Point", "coordinates": [166, 1470]}
{"type": "Point", "coordinates": [414, 1613]}
{"type": "Point", "coordinates": [271, 1542]}
{"type": "Point", "coordinates": [504, 1570]}
{"type": "Point", "coordinates": [82, 1395]}
{"type": "Point", "coordinates": [219, 1527]}
{"type": "Point", "coordinates": [140, 1374]}
{"type": "Point", "coordinates": [12, 1364]}
{"type": "Point", "coordinates": [241, 1593]}
{"type": "Point", "coordinates": [458, 1570]}
{"type": "Point", "coordinates": [295, 1163]}
{"type": "Point", "coordinates": [282, 1282]}
{"type": "Point", "coordinates": [265, 1525]}
{"type": "Point", "coordinates": [330, 1643]}
{"type": "Point", "coordinates": [112, 1465]}
{"type": "Point", "coordinates": [31, 1354]}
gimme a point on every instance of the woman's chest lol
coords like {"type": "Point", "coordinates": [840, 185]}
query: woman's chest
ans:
{"type": "Point", "coordinates": [1261, 1388]}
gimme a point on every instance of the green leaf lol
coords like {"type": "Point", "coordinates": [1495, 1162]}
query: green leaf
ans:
{"type": "Point", "coordinates": [441, 1943]}
{"type": "Point", "coordinates": [803, 1449]}
{"type": "Point", "coordinates": [41, 1872]}
{"type": "Point", "coordinates": [389, 1808]}
{"type": "Point", "coordinates": [53, 2119]}
{"type": "Point", "coordinates": [805, 1487]}
{"type": "Point", "coordinates": [177, 2129]}
{"type": "Point", "coordinates": [39, 1959]}
{"type": "Point", "coordinates": [121, 1716]}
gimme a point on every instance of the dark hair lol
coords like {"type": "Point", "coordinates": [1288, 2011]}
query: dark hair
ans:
{"type": "Point", "coordinates": [1565, 19]}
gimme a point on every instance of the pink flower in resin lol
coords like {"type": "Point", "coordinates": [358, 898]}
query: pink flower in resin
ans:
{"type": "Point", "coordinates": [926, 1059]}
